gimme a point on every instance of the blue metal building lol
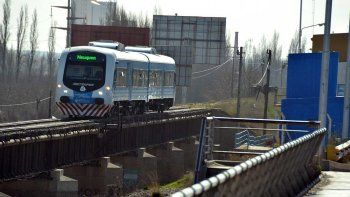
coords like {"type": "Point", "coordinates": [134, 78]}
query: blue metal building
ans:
{"type": "Point", "coordinates": [303, 90]}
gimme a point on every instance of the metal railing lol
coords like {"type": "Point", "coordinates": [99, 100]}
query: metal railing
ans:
{"type": "Point", "coordinates": [245, 138]}
{"type": "Point", "coordinates": [211, 124]}
{"type": "Point", "coordinates": [283, 171]}
{"type": "Point", "coordinates": [342, 150]}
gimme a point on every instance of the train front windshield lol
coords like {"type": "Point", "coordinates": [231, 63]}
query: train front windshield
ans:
{"type": "Point", "coordinates": [85, 72]}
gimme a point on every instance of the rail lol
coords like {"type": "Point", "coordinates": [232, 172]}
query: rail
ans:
{"type": "Point", "coordinates": [48, 127]}
{"type": "Point", "coordinates": [283, 171]}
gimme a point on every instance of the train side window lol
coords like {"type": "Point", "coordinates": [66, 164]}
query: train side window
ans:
{"type": "Point", "coordinates": [169, 78]}
{"type": "Point", "coordinates": [120, 76]}
{"type": "Point", "coordinates": [152, 78]}
{"type": "Point", "coordinates": [159, 80]}
{"type": "Point", "coordinates": [139, 78]}
{"type": "Point", "coordinates": [144, 78]}
{"type": "Point", "coordinates": [155, 78]}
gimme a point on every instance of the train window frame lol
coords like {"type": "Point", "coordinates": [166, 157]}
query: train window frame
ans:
{"type": "Point", "coordinates": [116, 82]}
{"type": "Point", "coordinates": [70, 60]}
{"type": "Point", "coordinates": [140, 82]}
{"type": "Point", "coordinates": [169, 82]}
{"type": "Point", "coordinates": [156, 78]}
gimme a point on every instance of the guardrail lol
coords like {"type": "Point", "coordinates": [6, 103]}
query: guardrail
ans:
{"type": "Point", "coordinates": [211, 124]}
{"type": "Point", "coordinates": [245, 138]}
{"type": "Point", "coordinates": [283, 171]}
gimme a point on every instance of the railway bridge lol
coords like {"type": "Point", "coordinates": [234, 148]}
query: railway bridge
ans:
{"type": "Point", "coordinates": [59, 157]}
{"type": "Point", "coordinates": [110, 156]}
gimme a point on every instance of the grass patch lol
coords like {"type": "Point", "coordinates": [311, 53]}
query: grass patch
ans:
{"type": "Point", "coordinates": [185, 181]}
{"type": "Point", "coordinates": [250, 107]}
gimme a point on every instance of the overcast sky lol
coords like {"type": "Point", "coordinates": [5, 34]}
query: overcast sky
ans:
{"type": "Point", "coordinates": [251, 18]}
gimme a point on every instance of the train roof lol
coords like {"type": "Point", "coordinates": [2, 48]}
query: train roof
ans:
{"type": "Point", "coordinates": [157, 58]}
{"type": "Point", "coordinates": [125, 55]}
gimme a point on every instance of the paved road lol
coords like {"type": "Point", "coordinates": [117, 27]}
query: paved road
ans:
{"type": "Point", "coordinates": [332, 184]}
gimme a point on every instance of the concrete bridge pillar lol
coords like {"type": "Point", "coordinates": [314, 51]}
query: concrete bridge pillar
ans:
{"type": "Point", "coordinates": [189, 147]}
{"type": "Point", "coordinates": [54, 184]}
{"type": "Point", "coordinates": [140, 169]}
{"type": "Point", "coordinates": [170, 162]}
{"type": "Point", "coordinates": [99, 177]}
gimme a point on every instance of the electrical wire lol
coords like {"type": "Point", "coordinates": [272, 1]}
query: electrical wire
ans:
{"type": "Point", "coordinates": [202, 71]}
{"type": "Point", "coordinates": [262, 78]}
{"type": "Point", "coordinates": [212, 67]}
{"type": "Point", "coordinates": [26, 103]}
{"type": "Point", "coordinates": [217, 68]}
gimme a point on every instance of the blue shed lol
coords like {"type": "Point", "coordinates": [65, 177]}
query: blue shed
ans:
{"type": "Point", "coordinates": [303, 89]}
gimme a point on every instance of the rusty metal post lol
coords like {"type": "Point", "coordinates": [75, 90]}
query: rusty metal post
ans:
{"type": "Point", "coordinates": [239, 81]}
{"type": "Point", "coordinates": [267, 87]}
{"type": "Point", "coordinates": [50, 104]}
{"type": "Point", "coordinates": [37, 108]}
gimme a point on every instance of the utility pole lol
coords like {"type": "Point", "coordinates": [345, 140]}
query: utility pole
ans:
{"type": "Point", "coordinates": [322, 116]}
{"type": "Point", "coordinates": [69, 8]}
{"type": "Point", "coordinates": [235, 49]}
{"type": "Point", "coordinates": [301, 14]}
{"type": "Point", "coordinates": [240, 53]}
{"type": "Point", "coordinates": [69, 19]}
{"type": "Point", "coordinates": [50, 101]}
{"type": "Point", "coordinates": [267, 87]}
{"type": "Point", "coordinates": [233, 73]}
{"type": "Point", "coordinates": [345, 130]}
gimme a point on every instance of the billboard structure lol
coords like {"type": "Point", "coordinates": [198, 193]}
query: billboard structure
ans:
{"type": "Point", "coordinates": [83, 34]}
{"type": "Point", "coordinates": [190, 40]}
{"type": "Point", "coordinates": [183, 59]}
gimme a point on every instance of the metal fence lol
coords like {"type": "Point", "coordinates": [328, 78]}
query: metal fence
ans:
{"type": "Point", "coordinates": [283, 171]}
{"type": "Point", "coordinates": [246, 138]}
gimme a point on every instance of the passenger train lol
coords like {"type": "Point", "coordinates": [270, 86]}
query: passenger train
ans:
{"type": "Point", "coordinates": [97, 81]}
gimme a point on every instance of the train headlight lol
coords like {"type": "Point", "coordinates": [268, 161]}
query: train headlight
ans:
{"type": "Point", "coordinates": [59, 86]}
{"type": "Point", "coordinates": [108, 88]}
{"type": "Point", "coordinates": [65, 91]}
{"type": "Point", "coordinates": [100, 93]}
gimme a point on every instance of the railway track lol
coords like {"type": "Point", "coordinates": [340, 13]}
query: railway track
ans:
{"type": "Point", "coordinates": [34, 128]}
{"type": "Point", "coordinates": [24, 123]}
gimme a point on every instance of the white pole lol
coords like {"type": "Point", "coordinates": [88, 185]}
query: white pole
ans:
{"type": "Point", "coordinates": [322, 116]}
{"type": "Point", "coordinates": [300, 17]}
{"type": "Point", "coordinates": [345, 130]}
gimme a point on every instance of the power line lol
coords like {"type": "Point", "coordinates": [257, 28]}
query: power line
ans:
{"type": "Point", "coordinates": [262, 78]}
{"type": "Point", "coordinates": [217, 68]}
{"type": "Point", "coordinates": [211, 68]}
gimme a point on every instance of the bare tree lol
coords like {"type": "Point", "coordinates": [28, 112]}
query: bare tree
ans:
{"type": "Point", "coordinates": [110, 14]}
{"type": "Point", "coordinates": [124, 19]}
{"type": "Point", "coordinates": [276, 62]}
{"type": "Point", "coordinates": [147, 22]}
{"type": "Point", "coordinates": [4, 32]}
{"type": "Point", "coordinates": [22, 23]}
{"type": "Point", "coordinates": [51, 52]}
{"type": "Point", "coordinates": [10, 62]}
{"type": "Point", "coordinates": [41, 68]}
{"type": "Point", "coordinates": [294, 44]}
{"type": "Point", "coordinates": [157, 10]}
{"type": "Point", "coordinates": [118, 16]}
{"type": "Point", "coordinates": [33, 41]}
